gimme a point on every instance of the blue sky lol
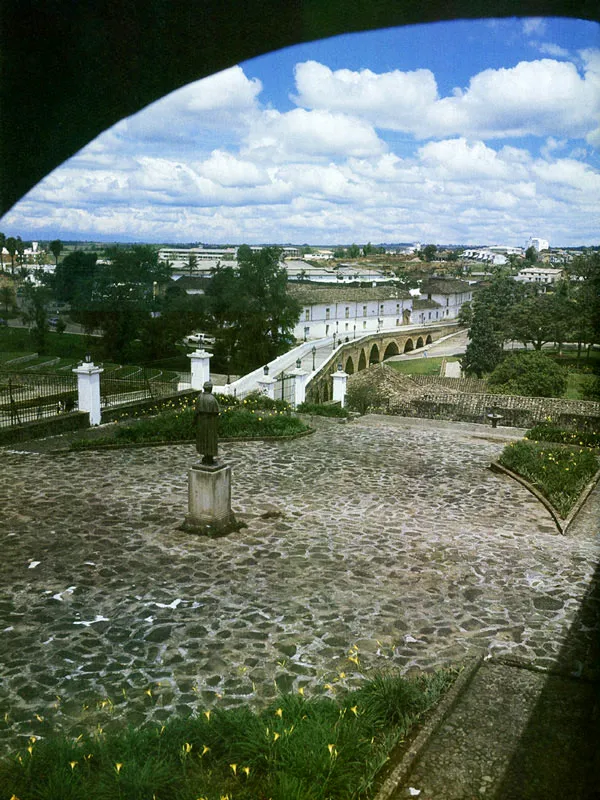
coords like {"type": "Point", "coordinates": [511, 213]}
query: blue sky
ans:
{"type": "Point", "coordinates": [464, 132]}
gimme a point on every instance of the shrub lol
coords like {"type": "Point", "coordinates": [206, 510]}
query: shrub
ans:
{"type": "Point", "coordinates": [590, 387]}
{"type": "Point", "coordinates": [257, 400]}
{"type": "Point", "coordinates": [531, 374]}
{"type": "Point", "coordinates": [322, 409]}
{"type": "Point", "coordinates": [559, 473]}
{"type": "Point", "coordinates": [361, 397]}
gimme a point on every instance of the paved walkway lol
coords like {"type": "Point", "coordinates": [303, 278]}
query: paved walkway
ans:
{"type": "Point", "coordinates": [386, 533]}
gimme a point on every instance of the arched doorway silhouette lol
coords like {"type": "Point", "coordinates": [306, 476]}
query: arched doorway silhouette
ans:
{"type": "Point", "coordinates": [391, 350]}
{"type": "Point", "coordinates": [409, 346]}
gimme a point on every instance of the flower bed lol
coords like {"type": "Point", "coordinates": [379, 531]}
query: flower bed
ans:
{"type": "Point", "coordinates": [306, 749]}
{"type": "Point", "coordinates": [551, 433]}
{"type": "Point", "coordinates": [177, 425]}
{"type": "Point", "coordinates": [559, 473]}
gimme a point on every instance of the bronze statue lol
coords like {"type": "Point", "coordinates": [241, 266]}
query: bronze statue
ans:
{"type": "Point", "coordinates": [206, 420]}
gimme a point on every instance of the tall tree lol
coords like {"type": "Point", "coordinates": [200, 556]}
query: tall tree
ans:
{"type": "Point", "coordinates": [36, 300]}
{"type": "Point", "coordinates": [20, 252]}
{"type": "Point", "coordinates": [74, 277]}
{"type": "Point", "coordinates": [2, 246]}
{"type": "Point", "coordinates": [7, 296]}
{"type": "Point", "coordinates": [252, 308]}
{"type": "Point", "coordinates": [429, 252]}
{"type": "Point", "coordinates": [56, 249]}
{"type": "Point", "coordinates": [11, 246]}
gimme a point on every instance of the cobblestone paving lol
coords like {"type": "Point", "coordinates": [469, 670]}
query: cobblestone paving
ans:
{"type": "Point", "coordinates": [386, 534]}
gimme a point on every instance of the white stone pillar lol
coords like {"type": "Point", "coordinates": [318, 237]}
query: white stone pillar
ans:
{"type": "Point", "coordinates": [300, 381]}
{"type": "Point", "coordinates": [88, 390]}
{"type": "Point", "coordinates": [266, 386]}
{"type": "Point", "coordinates": [340, 379]}
{"type": "Point", "coordinates": [200, 368]}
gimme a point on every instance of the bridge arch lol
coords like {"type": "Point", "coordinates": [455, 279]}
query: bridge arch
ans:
{"type": "Point", "coordinates": [420, 342]}
{"type": "Point", "coordinates": [349, 368]}
{"type": "Point", "coordinates": [428, 340]}
{"type": "Point", "coordinates": [362, 361]}
{"type": "Point", "coordinates": [409, 345]}
{"type": "Point", "coordinates": [391, 350]}
{"type": "Point", "coordinates": [374, 355]}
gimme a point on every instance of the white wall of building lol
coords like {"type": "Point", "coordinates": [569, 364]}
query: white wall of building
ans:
{"type": "Point", "coordinates": [348, 319]}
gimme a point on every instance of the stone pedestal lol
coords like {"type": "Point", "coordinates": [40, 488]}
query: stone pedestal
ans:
{"type": "Point", "coordinates": [340, 378]}
{"type": "Point", "coordinates": [209, 500]}
{"type": "Point", "coordinates": [266, 386]}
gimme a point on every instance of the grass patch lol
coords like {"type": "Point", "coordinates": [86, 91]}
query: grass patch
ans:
{"type": "Point", "coordinates": [559, 473]}
{"type": "Point", "coordinates": [550, 433]}
{"type": "Point", "coordinates": [323, 409]}
{"type": "Point", "coordinates": [295, 749]}
{"type": "Point", "coordinates": [420, 366]}
{"type": "Point", "coordinates": [65, 345]}
{"type": "Point", "coordinates": [176, 425]}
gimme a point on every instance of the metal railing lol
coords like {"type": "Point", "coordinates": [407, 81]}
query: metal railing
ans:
{"type": "Point", "coordinates": [117, 388]}
{"type": "Point", "coordinates": [27, 396]}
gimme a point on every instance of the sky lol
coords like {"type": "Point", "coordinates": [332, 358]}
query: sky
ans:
{"type": "Point", "coordinates": [467, 132]}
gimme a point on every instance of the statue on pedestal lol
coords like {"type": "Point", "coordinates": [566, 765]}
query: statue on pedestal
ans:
{"type": "Point", "coordinates": [206, 421]}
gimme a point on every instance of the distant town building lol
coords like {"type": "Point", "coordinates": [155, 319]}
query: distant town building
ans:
{"type": "Point", "coordinates": [538, 244]}
{"type": "Point", "coordinates": [205, 258]}
{"type": "Point", "coordinates": [540, 275]}
{"type": "Point", "coordinates": [486, 256]}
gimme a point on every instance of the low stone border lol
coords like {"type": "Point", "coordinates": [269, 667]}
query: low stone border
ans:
{"type": "Point", "coordinates": [162, 443]}
{"type": "Point", "coordinates": [399, 774]}
{"type": "Point", "coordinates": [562, 523]}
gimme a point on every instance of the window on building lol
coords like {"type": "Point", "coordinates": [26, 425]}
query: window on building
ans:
{"type": "Point", "coordinates": [397, 308]}
{"type": "Point", "coordinates": [381, 308]}
{"type": "Point", "coordinates": [346, 326]}
{"type": "Point", "coordinates": [429, 315]}
{"type": "Point", "coordinates": [397, 322]}
{"type": "Point", "coordinates": [326, 330]}
{"type": "Point", "coordinates": [347, 312]}
{"type": "Point", "coordinates": [307, 315]}
{"type": "Point", "coordinates": [327, 313]}
{"type": "Point", "coordinates": [447, 301]}
{"type": "Point", "coordinates": [364, 312]}
{"type": "Point", "coordinates": [306, 332]}
{"type": "Point", "coordinates": [364, 325]}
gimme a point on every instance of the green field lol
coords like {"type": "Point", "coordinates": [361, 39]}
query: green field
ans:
{"type": "Point", "coordinates": [420, 366]}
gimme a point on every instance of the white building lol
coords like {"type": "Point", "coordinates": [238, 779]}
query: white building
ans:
{"type": "Point", "coordinates": [448, 293]}
{"type": "Point", "coordinates": [485, 256]}
{"type": "Point", "coordinates": [343, 273]}
{"type": "Point", "coordinates": [349, 311]}
{"type": "Point", "coordinates": [206, 258]}
{"type": "Point", "coordinates": [541, 275]}
{"type": "Point", "coordinates": [539, 244]}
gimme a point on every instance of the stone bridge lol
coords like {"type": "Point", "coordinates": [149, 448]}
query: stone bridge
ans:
{"type": "Point", "coordinates": [358, 354]}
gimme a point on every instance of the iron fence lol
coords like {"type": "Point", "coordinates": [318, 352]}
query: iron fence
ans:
{"type": "Point", "coordinates": [28, 396]}
{"type": "Point", "coordinates": [119, 387]}
{"type": "Point", "coordinates": [285, 388]}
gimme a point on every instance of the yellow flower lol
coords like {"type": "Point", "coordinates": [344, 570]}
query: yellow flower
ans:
{"type": "Point", "coordinates": [342, 675]}
{"type": "Point", "coordinates": [332, 750]}
{"type": "Point", "coordinates": [279, 712]}
{"type": "Point", "coordinates": [205, 750]}
{"type": "Point", "coordinates": [187, 748]}
{"type": "Point", "coordinates": [354, 660]}
{"type": "Point", "coordinates": [30, 750]}
{"type": "Point", "coordinates": [301, 690]}
{"type": "Point", "coordinates": [275, 736]}
{"type": "Point", "coordinates": [148, 692]}
{"type": "Point", "coordinates": [234, 768]}
{"type": "Point", "coordinates": [118, 767]}
{"type": "Point", "coordinates": [246, 770]}
{"type": "Point", "coordinates": [72, 764]}
{"type": "Point", "coordinates": [207, 715]}
{"type": "Point", "coordinates": [354, 710]}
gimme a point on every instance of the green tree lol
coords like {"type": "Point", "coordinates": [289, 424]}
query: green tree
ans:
{"type": "Point", "coordinates": [36, 300]}
{"type": "Point", "coordinates": [11, 246]}
{"type": "Point", "coordinates": [465, 315]}
{"type": "Point", "coordinates": [429, 251]}
{"type": "Point", "coordinates": [251, 308]}
{"type": "Point", "coordinates": [56, 249]}
{"type": "Point", "coordinates": [74, 277]}
{"type": "Point", "coordinates": [7, 297]}
{"type": "Point", "coordinates": [490, 326]}
{"type": "Point", "coordinates": [20, 246]}
{"type": "Point", "coordinates": [531, 254]}
{"type": "Point", "coordinates": [532, 320]}
{"type": "Point", "coordinates": [2, 246]}
{"type": "Point", "coordinates": [354, 251]}
{"type": "Point", "coordinates": [339, 252]}
{"type": "Point", "coordinates": [531, 374]}
{"type": "Point", "coordinates": [192, 264]}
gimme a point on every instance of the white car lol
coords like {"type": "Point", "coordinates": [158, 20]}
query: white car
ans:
{"type": "Point", "coordinates": [199, 338]}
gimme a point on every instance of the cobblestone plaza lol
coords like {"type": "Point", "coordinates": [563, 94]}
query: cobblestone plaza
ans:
{"type": "Point", "coordinates": [385, 540]}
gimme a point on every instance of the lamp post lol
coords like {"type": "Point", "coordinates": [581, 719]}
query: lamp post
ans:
{"type": "Point", "coordinates": [314, 353]}
{"type": "Point", "coordinates": [227, 361]}
{"type": "Point", "coordinates": [334, 335]}
{"type": "Point", "coordinates": [354, 337]}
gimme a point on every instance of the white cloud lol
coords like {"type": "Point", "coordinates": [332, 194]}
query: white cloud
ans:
{"type": "Point", "coordinates": [535, 25]}
{"type": "Point", "coordinates": [549, 49]}
{"type": "Point", "coordinates": [296, 134]}
{"type": "Point", "coordinates": [542, 98]}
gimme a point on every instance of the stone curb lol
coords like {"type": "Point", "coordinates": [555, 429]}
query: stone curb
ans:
{"type": "Point", "coordinates": [227, 440]}
{"type": "Point", "coordinates": [562, 523]}
{"type": "Point", "coordinates": [403, 768]}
